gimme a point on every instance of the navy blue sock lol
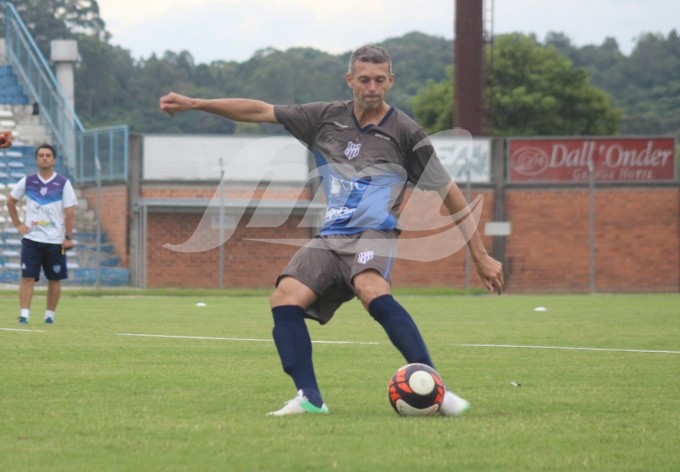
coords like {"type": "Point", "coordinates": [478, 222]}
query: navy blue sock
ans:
{"type": "Point", "coordinates": [400, 328]}
{"type": "Point", "coordinates": [295, 349]}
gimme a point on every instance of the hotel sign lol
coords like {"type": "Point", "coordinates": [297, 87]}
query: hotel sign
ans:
{"type": "Point", "coordinates": [610, 159]}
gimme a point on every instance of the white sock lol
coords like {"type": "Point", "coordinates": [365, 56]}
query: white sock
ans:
{"type": "Point", "coordinates": [49, 314]}
{"type": "Point", "coordinates": [25, 313]}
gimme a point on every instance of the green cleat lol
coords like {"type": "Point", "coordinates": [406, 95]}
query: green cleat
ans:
{"type": "Point", "coordinates": [298, 406]}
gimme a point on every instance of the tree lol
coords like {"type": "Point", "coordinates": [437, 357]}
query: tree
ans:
{"type": "Point", "coordinates": [60, 19]}
{"type": "Point", "coordinates": [535, 91]}
{"type": "Point", "coordinates": [432, 105]}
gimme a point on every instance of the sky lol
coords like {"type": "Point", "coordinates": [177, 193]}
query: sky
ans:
{"type": "Point", "coordinates": [233, 30]}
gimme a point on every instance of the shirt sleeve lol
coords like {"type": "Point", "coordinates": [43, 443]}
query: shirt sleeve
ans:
{"type": "Point", "coordinates": [424, 167]}
{"type": "Point", "coordinates": [302, 121]}
{"type": "Point", "coordinates": [19, 190]}
{"type": "Point", "coordinates": [69, 196]}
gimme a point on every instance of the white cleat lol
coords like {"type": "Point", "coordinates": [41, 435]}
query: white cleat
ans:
{"type": "Point", "coordinates": [298, 406]}
{"type": "Point", "coordinates": [453, 405]}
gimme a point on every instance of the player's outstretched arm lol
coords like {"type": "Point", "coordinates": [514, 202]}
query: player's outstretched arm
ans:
{"type": "Point", "coordinates": [237, 109]}
{"type": "Point", "coordinates": [488, 268]}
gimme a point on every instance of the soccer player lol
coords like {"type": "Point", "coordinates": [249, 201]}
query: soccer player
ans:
{"type": "Point", "coordinates": [5, 139]}
{"type": "Point", "coordinates": [47, 230]}
{"type": "Point", "coordinates": [365, 150]}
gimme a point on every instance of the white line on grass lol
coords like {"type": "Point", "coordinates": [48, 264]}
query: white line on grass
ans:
{"type": "Point", "coordinates": [566, 348]}
{"type": "Point", "coordinates": [515, 346]}
{"type": "Point", "coordinates": [23, 330]}
{"type": "Point", "coordinates": [232, 339]}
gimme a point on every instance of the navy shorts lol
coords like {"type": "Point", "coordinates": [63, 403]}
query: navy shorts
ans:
{"type": "Point", "coordinates": [50, 257]}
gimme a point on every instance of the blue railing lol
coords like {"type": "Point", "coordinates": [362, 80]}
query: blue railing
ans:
{"type": "Point", "coordinates": [81, 148]}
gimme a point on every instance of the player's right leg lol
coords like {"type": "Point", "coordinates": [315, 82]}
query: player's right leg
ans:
{"type": "Point", "coordinates": [31, 261]}
{"type": "Point", "coordinates": [294, 345]}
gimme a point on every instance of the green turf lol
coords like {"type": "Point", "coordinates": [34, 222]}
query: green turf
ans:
{"type": "Point", "coordinates": [78, 396]}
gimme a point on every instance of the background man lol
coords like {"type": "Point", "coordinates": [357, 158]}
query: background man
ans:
{"type": "Point", "coordinates": [47, 230]}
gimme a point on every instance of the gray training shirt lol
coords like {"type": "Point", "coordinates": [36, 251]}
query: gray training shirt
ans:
{"type": "Point", "coordinates": [363, 170]}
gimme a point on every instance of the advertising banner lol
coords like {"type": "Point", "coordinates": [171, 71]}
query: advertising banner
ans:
{"type": "Point", "coordinates": [611, 159]}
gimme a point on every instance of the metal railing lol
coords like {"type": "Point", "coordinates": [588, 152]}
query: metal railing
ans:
{"type": "Point", "coordinates": [80, 147]}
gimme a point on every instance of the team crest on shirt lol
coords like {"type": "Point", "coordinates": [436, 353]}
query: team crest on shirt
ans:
{"type": "Point", "coordinates": [43, 191]}
{"type": "Point", "coordinates": [364, 257]}
{"type": "Point", "coordinates": [352, 150]}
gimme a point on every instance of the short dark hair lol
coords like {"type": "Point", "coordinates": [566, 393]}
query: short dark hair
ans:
{"type": "Point", "coordinates": [45, 146]}
{"type": "Point", "coordinates": [370, 53]}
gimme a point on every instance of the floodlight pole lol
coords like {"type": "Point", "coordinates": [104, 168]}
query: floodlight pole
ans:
{"type": "Point", "coordinates": [468, 197]}
{"type": "Point", "coordinates": [221, 224]}
{"type": "Point", "coordinates": [98, 178]}
{"type": "Point", "coordinates": [591, 229]}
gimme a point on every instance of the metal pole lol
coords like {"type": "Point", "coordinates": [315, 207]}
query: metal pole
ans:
{"type": "Point", "coordinates": [221, 230]}
{"type": "Point", "coordinates": [591, 229]}
{"type": "Point", "coordinates": [98, 177]}
{"type": "Point", "coordinates": [467, 248]}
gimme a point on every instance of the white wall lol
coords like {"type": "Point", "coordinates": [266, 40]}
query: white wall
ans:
{"type": "Point", "coordinates": [272, 158]}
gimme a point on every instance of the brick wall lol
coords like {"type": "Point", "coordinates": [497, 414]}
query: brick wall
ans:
{"type": "Point", "coordinates": [637, 240]}
{"type": "Point", "coordinates": [114, 216]}
{"type": "Point", "coordinates": [637, 243]}
{"type": "Point", "coordinates": [424, 208]}
{"type": "Point", "coordinates": [246, 263]}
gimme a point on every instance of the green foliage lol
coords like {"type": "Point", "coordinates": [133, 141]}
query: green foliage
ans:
{"type": "Point", "coordinates": [59, 19]}
{"type": "Point", "coordinates": [78, 396]}
{"type": "Point", "coordinates": [537, 91]}
{"type": "Point", "coordinates": [550, 88]}
{"type": "Point", "coordinates": [646, 84]}
{"type": "Point", "coordinates": [433, 104]}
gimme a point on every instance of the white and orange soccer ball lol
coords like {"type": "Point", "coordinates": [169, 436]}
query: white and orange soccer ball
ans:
{"type": "Point", "coordinates": [416, 390]}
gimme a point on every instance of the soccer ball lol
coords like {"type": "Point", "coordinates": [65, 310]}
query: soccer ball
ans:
{"type": "Point", "coordinates": [416, 390]}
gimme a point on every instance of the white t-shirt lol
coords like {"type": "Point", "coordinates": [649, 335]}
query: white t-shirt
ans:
{"type": "Point", "coordinates": [45, 204]}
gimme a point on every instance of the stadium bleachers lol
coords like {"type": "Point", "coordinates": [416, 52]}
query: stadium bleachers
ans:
{"type": "Point", "coordinates": [83, 260]}
{"type": "Point", "coordinates": [11, 93]}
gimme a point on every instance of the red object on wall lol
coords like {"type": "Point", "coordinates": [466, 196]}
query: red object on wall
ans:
{"type": "Point", "coordinates": [612, 159]}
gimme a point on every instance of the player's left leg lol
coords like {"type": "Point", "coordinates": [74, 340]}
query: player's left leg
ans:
{"type": "Point", "coordinates": [374, 292]}
{"type": "Point", "coordinates": [53, 294]}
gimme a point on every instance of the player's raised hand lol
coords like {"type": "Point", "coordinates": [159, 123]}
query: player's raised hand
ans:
{"type": "Point", "coordinates": [174, 102]}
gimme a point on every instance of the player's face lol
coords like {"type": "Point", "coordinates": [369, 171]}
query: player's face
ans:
{"type": "Point", "coordinates": [369, 83]}
{"type": "Point", "coordinates": [44, 159]}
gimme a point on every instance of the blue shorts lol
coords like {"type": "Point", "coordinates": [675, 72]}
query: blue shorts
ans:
{"type": "Point", "coordinates": [50, 257]}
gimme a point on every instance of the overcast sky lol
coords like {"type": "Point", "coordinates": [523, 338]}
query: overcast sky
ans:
{"type": "Point", "coordinates": [235, 29]}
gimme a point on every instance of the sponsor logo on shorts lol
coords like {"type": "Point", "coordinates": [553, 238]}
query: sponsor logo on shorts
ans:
{"type": "Point", "coordinates": [364, 257]}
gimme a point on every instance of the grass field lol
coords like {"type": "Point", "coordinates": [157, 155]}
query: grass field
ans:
{"type": "Point", "coordinates": [599, 375]}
